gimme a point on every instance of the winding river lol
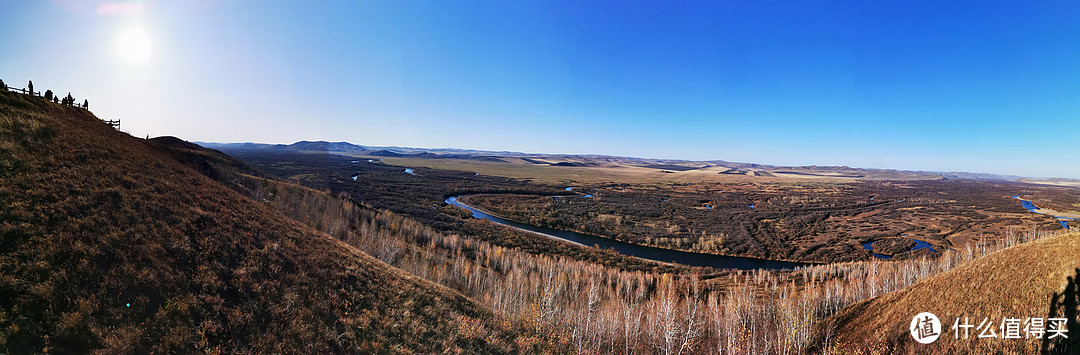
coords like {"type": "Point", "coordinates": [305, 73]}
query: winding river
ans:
{"type": "Point", "coordinates": [640, 251]}
{"type": "Point", "coordinates": [919, 244]}
{"type": "Point", "coordinates": [1064, 221]}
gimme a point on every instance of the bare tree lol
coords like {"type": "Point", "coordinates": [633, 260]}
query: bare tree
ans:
{"type": "Point", "coordinates": [693, 323]}
{"type": "Point", "coordinates": [583, 335]}
{"type": "Point", "coordinates": [666, 327]}
{"type": "Point", "coordinates": [631, 317]}
{"type": "Point", "coordinates": [549, 307]}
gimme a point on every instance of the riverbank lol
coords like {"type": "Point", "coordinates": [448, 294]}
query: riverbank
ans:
{"type": "Point", "coordinates": [1061, 217]}
{"type": "Point", "coordinates": [639, 251]}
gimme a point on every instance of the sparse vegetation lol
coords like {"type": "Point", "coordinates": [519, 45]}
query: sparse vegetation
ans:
{"type": "Point", "coordinates": [118, 244]}
{"type": "Point", "coordinates": [596, 309]}
{"type": "Point", "coordinates": [1022, 280]}
{"type": "Point", "coordinates": [805, 221]}
{"type": "Point", "coordinates": [800, 221]}
{"type": "Point", "coordinates": [422, 198]}
{"type": "Point", "coordinates": [108, 244]}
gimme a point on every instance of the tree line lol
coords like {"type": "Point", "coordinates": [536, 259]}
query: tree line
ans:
{"type": "Point", "coordinates": [587, 308]}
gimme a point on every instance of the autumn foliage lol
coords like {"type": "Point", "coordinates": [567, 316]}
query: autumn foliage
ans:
{"type": "Point", "coordinates": [109, 243]}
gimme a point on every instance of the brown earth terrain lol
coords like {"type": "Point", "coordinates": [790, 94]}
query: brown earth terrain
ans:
{"type": "Point", "coordinates": [807, 221]}
{"type": "Point", "coordinates": [1038, 279]}
{"type": "Point", "coordinates": [109, 243]}
{"type": "Point", "coordinates": [744, 312]}
{"type": "Point", "coordinates": [818, 214]}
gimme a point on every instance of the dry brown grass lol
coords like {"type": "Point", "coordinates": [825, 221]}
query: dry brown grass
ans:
{"type": "Point", "coordinates": [588, 308]}
{"type": "Point", "coordinates": [608, 173]}
{"type": "Point", "coordinates": [109, 244]}
{"type": "Point", "coordinates": [1016, 282]}
{"type": "Point", "coordinates": [1067, 183]}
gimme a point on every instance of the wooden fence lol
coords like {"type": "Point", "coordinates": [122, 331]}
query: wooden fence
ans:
{"type": "Point", "coordinates": [24, 91]}
{"type": "Point", "coordinates": [114, 123]}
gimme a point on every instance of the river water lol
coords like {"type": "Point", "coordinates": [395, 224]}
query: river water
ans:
{"type": "Point", "coordinates": [644, 252]}
{"type": "Point", "coordinates": [919, 244]}
{"type": "Point", "coordinates": [1064, 221]}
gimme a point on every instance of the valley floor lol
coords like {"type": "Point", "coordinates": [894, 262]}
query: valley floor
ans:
{"type": "Point", "coordinates": [611, 305]}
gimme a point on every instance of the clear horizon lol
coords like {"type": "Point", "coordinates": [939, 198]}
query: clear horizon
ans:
{"type": "Point", "coordinates": [926, 86]}
{"type": "Point", "coordinates": [630, 157]}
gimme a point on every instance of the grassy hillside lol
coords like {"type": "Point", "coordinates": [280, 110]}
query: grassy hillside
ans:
{"type": "Point", "coordinates": [110, 243]}
{"type": "Point", "coordinates": [1035, 279]}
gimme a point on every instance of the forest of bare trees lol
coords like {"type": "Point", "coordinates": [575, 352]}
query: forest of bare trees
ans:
{"type": "Point", "coordinates": [593, 309]}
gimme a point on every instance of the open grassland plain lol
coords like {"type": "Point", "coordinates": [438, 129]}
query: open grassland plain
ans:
{"type": "Point", "coordinates": [1055, 182]}
{"type": "Point", "coordinates": [544, 172]}
{"type": "Point", "coordinates": [814, 220]}
{"type": "Point", "coordinates": [592, 308]}
{"type": "Point", "coordinates": [561, 170]}
{"type": "Point", "coordinates": [801, 221]}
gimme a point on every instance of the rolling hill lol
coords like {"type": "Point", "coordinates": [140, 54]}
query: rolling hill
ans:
{"type": "Point", "coordinates": [1037, 279]}
{"type": "Point", "coordinates": [116, 244]}
{"type": "Point", "coordinates": [505, 159]}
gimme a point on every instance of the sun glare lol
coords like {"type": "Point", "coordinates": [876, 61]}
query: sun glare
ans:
{"type": "Point", "coordinates": [134, 45]}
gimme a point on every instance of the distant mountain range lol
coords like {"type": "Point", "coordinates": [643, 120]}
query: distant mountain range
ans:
{"type": "Point", "coordinates": [588, 160]}
{"type": "Point", "coordinates": [346, 147]}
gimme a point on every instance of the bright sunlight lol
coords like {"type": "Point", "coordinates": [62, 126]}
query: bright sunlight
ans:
{"type": "Point", "coordinates": [134, 45]}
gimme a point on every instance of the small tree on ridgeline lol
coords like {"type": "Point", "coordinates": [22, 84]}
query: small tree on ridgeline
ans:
{"type": "Point", "coordinates": [3, 86]}
{"type": "Point", "coordinates": [85, 104]}
{"type": "Point", "coordinates": [48, 95]}
{"type": "Point", "coordinates": [56, 99]}
{"type": "Point", "coordinates": [30, 87]}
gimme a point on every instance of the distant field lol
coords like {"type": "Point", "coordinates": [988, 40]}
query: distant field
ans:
{"type": "Point", "coordinates": [834, 175]}
{"type": "Point", "coordinates": [539, 171]}
{"type": "Point", "coordinates": [806, 221]}
{"type": "Point", "coordinates": [1066, 183]}
{"type": "Point", "coordinates": [819, 214]}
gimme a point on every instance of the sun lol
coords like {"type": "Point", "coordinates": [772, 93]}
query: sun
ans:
{"type": "Point", "coordinates": [134, 45]}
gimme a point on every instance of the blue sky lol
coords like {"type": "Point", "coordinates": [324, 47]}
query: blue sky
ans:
{"type": "Point", "coordinates": [937, 85]}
